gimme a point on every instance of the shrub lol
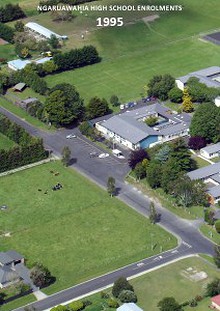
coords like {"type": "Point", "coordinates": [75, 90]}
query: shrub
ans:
{"type": "Point", "coordinates": [217, 225]}
{"type": "Point", "coordinates": [104, 295]}
{"type": "Point", "coordinates": [120, 285]}
{"type": "Point", "coordinates": [76, 305]}
{"type": "Point", "coordinates": [86, 303]}
{"type": "Point", "coordinates": [193, 303]}
{"type": "Point", "coordinates": [127, 296]}
{"type": "Point", "coordinates": [198, 298]}
{"type": "Point", "coordinates": [112, 303]}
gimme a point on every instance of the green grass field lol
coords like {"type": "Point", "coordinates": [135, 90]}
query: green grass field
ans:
{"type": "Point", "coordinates": [78, 232]}
{"type": "Point", "coordinates": [167, 281]}
{"type": "Point", "coordinates": [210, 233]}
{"type": "Point", "coordinates": [134, 53]}
{"type": "Point", "coordinates": [5, 142]}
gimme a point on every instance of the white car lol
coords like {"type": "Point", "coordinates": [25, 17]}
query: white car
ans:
{"type": "Point", "coordinates": [103, 155]}
{"type": "Point", "coordinates": [117, 153]}
{"type": "Point", "coordinates": [70, 136]}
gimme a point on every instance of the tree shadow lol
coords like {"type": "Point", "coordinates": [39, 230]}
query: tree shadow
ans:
{"type": "Point", "coordinates": [72, 161]}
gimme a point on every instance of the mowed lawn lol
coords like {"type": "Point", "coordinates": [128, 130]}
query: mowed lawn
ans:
{"type": "Point", "coordinates": [134, 53]}
{"type": "Point", "coordinates": [5, 142]}
{"type": "Point", "coordinates": [169, 282]}
{"type": "Point", "coordinates": [78, 232]}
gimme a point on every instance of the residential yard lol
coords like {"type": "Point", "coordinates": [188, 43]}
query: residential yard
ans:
{"type": "Point", "coordinates": [166, 200]}
{"type": "Point", "coordinates": [210, 233]}
{"type": "Point", "coordinates": [200, 162]}
{"type": "Point", "coordinates": [78, 232]}
{"type": "Point", "coordinates": [5, 142]}
{"type": "Point", "coordinates": [168, 281]}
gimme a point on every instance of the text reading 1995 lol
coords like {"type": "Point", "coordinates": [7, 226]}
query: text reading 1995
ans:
{"type": "Point", "coordinates": [109, 21]}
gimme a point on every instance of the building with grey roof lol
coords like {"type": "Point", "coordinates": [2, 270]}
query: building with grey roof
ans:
{"type": "Point", "coordinates": [211, 151]}
{"type": "Point", "coordinates": [8, 262]}
{"type": "Point", "coordinates": [130, 129]}
{"type": "Point", "coordinates": [41, 32]}
{"type": "Point", "coordinates": [211, 176]}
{"type": "Point", "coordinates": [209, 76]}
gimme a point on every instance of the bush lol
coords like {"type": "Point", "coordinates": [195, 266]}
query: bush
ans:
{"type": "Point", "coordinates": [76, 305]}
{"type": "Point", "coordinates": [120, 285]}
{"type": "Point", "coordinates": [104, 295]}
{"type": "Point", "coordinates": [6, 33]}
{"type": "Point", "coordinates": [198, 298]}
{"type": "Point", "coordinates": [127, 296]}
{"type": "Point", "coordinates": [193, 303]}
{"type": "Point", "coordinates": [112, 303]}
{"type": "Point", "coordinates": [217, 225]}
{"type": "Point", "coordinates": [209, 217]}
{"type": "Point", "coordinates": [86, 303]}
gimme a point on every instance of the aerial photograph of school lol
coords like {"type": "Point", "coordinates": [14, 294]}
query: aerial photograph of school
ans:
{"type": "Point", "coordinates": [109, 155]}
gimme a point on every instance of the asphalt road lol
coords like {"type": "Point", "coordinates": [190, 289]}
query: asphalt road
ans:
{"type": "Point", "coordinates": [98, 170]}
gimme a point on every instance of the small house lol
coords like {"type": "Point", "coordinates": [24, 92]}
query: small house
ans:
{"type": "Point", "coordinates": [8, 262]}
{"type": "Point", "coordinates": [216, 302]}
{"type": "Point", "coordinates": [131, 306]}
{"type": "Point", "coordinates": [19, 87]}
{"type": "Point", "coordinates": [211, 151]}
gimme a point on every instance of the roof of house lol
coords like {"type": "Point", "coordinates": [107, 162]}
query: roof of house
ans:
{"type": "Point", "coordinates": [131, 306]}
{"type": "Point", "coordinates": [212, 148]}
{"type": "Point", "coordinates": [204, 76]}
{"type": "Point", "coordinates": [43, 60]}
{"type": "Point", "coordinates": [130, 126]}
{"type": "Point", "coordinates": [19, 64]}
{"type": "Point", "coordinates": [9, 256]}
{"type": "Point", "coordinates": [7, 275]}
{"type": "Point", "coordinates": [42, 30]}
{"type": "Point", "coordinates": [205, 172]}
{"type": "Point", "coordinates": [216, 299]}
{"type": "Point", "coordinates": [216, 177]}
{"type": "Point", "coordinates": [214, 191]}
{"type": "Point", "coordinates": [19, 86]}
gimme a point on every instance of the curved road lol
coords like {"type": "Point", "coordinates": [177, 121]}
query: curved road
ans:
{"type": "Point", "coordinates": [190, 240]}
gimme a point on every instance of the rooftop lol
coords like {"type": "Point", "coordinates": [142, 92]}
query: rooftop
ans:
{"type": "Point", "coordinates": [214, 191]}
{"type": "Point", "coordinates": [212, 148]}
{"type": "Point", "coordinates": [9, 256]}
{"type": "Point", "coordinates": [130, 125]}
{"type": "Point", "coordinates": [42, 30]}
{"type": "Point", "coordinates": [205, 172]}
{"type": "Point", "coordinates": [204, 75]}
{"type": "Point", "coordinates": [19, 86]}
{"type": "Point", "coordinates": [129, 307]}
{"type": "Point", "coordinates": [216, 299]}
{"type": "Point", "coordinates": [19, 64]}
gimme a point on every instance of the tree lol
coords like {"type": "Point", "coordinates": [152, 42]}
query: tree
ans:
{"type": "Point", "coordinates": [137, 156]}
{"type": "Point", "coordinates": [163, 154]}
{"type": "Point", "coordinates": [120, 285]}
{"type": "Point", "coordinates": [111, 186]}
{"type": "Point", "coordinates": [196, 142]}
{"type": "Point", "coordinates": [75, 306]}
{"type": "Point", "coordinates": [153, 214]}
{"type": "Point", "coordinates": [7, 33]}
{"type": "Point", "coordinates": [151, 121]}
{"type": "Point", "coordinates": [169, 304]}
{"type": "Point", "coordinates": [114, 101]}
{"type": "Point", "coordinates": [205, 122]}
{"type": "Point", "coordinates": [61, 16]}
{"type": "Point", "coordinates": [217, 257]}
{"type": "Point", "coordinates": [53, 41]}
{"type": "Point", "coordinates": [19, 26]}
{"type": "Point", "coordinates": [175, 95]}
{"type": "Point", "coordinates": [187, 104]}
{"type": "Point", "coordinates": [97, 108]}
{"type": "Point", "coordinates": [59, 308]}
{"type": "Point", "coordinates": [217, 225]}
{"type": "Point", "coordinates": [209, 216]}
{"type": "Point", "coordinates": [127, 296]}
{"type": "Point", "coordinates": [184, 191]}
{"type": "Point", "coordinates": [160, 86]}
{"type": "Point", "coordinates": [66, 155]}
{"type": "Point", "coordinates": [64, 105]}
{"type": "Point", "coordinates": [40, 275]}
{"type": "Point", "coordinates": [140, 171]}
{"type": "Point", "coordinates": [154, 174]}
{"type": "Point", "coordinates": [213, 288]}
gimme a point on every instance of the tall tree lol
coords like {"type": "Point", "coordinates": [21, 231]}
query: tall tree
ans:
{"type": "Point", "coordinates": [196, 142]}
{"type": "Point", "coordinates": [187, 104]}
{"type": "Point", "coordinates": [137, 156]}
{"type": "Point", "coordinates": [97, 107]}
{"type": "Point", "coordinates": [111, 186]}
{"type": "Point", "coordinates": [153, 213]}
{"type": "Point", "coordinates": [121, 284]}
{"type": "Point", "coordinates": [213, 288]}
{"type": "Point", "coordinates": [205, 122]}
{"type": "Point", "coordinates": [40, 275]}
{"type": "Point", "coordinates": [66, 155]}
{"type": "Point", "coordinates": [217, 258]}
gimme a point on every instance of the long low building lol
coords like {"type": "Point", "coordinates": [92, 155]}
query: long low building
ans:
{"type": "Point", "coordinates": [209, 76]}
{"type": "Point", "coordinates": [211, 176]}
{"type": "Point", "coordinates": [130, 129]}
{"type": "Point", "coordinates": [211, 151]}
{"type": "Point", "coordinates": [42, 32]}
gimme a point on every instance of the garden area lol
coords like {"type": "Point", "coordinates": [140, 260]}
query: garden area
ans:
{"type": "Point", "coordinates": [80, 222]}
{"type": "Point", "coordinates": [5, 142]}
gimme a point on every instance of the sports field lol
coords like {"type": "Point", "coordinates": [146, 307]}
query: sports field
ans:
{"type": "Point", "coordinates": [78, 232]}
{"type": "Point", "coordinates": [5, 142]}
{"type": "Point", "coordinates": [134, 53]}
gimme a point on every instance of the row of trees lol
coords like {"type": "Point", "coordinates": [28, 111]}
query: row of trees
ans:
{"type": "Point", "coordinates": [28, 149]}
{"type": "Point", "coordinates": [76, 58]}
{"type": "Point", "coordinates": [11, 12]}
{"type": "Point", "coordinates": [166, 167]}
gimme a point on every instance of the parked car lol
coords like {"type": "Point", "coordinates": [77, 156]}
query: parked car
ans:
{"type": "Point", "coordinates": [93, 154]}
{"type": "Point", "coordinates": [117, 153]}
{"type": "Point", "coordinates": [103, 155]}
{"type": "Point", "coordinates": [122, 106]}
{"type": "Point", "coordinates": [70, 136]}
